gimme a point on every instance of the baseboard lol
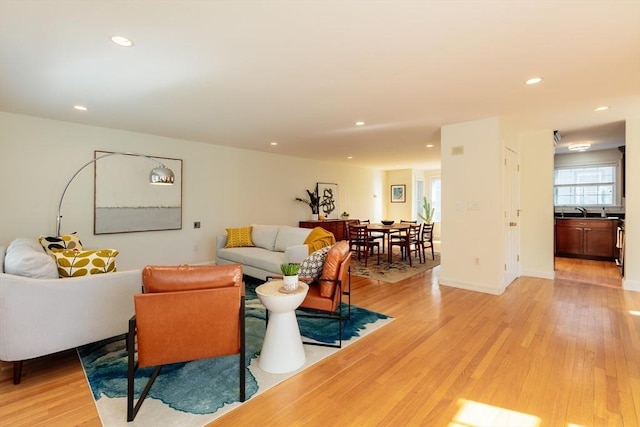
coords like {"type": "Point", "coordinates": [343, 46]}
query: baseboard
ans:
{"type": "Point", "coordinates": [631, 285]}
{"type": "Point", "coordinates": [469, 286]}
{"type": "Point", "coordinates": [539, 274]}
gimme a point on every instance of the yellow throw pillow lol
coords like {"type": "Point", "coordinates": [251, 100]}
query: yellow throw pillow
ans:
{"type": "Point", "coordinates": [239, 237]}
{"type": "Point", "coordinates": [83, 263]}
{"type": "Point", "coordinates": [68, 241]}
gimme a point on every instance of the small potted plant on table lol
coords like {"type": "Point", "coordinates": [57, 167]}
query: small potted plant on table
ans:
{"type": "Point", "coordinates": [344, 215]}
{"type": "Point", "coordinates": [290, 273]}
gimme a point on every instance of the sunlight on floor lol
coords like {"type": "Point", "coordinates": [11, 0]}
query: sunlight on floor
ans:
{"type": "Point", "coordinates": [634, 312]}
{"type": "Point", "coordinates": [475, 414]}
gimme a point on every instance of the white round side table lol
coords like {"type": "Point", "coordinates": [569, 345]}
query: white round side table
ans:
{"type": "Point", "coordinates": [282, 349]}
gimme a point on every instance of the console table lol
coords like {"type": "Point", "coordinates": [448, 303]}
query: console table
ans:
{"type": "Point", "coordinates": [336, 226]}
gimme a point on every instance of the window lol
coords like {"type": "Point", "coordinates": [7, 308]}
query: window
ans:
{"type": "Point", "coordinates": [585, 186]}
{"type": "Point", "coordinates": [435, 199]}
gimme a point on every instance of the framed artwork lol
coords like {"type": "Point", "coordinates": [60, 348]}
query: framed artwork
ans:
{"type": "Point", "coordinates": [125, 202]}
{"type": "Point", "coordinates": [398, 193]}
{"type": "Point", "coordinates": [328, 200]}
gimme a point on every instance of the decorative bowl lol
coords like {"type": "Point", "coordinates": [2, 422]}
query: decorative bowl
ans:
{"type": "Point", "coordinates": [387, 222]}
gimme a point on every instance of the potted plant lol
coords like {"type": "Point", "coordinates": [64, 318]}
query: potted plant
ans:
{"type": "Point", "coordinates": [344, 215]}
{"type": "Point", "coordinates": [290, 273]}
{"type": "Point", "coordinates": [427, 216]}
{"type": "Point", "coordinates": [312, 202]}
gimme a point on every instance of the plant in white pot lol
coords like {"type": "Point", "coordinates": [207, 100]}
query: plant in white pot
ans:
{"type": "Point", "coordinates": [290, 273]}
{"type": "Point", "coordinates": [344, 215]}
{"type": "Point", "coordinates": [312, 202]}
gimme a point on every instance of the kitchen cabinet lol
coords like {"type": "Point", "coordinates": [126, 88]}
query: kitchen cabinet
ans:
{"type": "Point", "coordinates": [586, 237]}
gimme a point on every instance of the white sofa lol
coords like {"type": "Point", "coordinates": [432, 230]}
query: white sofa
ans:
{"type": "Point", "coordinates": [274, 245]}
{"type": "Point", "coordinates": [42, 315]}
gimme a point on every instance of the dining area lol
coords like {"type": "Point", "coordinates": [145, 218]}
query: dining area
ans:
{"type": "Point", "coordinates": [410, 239]}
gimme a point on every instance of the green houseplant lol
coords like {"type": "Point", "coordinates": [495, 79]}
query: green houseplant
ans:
{"type": "Point", "coordinates": [290, 273]}
{"type": "Point", "coordinates": [427, 214]}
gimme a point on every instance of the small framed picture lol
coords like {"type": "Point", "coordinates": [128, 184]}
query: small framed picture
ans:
{"type": "Point", "coordinates": [398, 194]}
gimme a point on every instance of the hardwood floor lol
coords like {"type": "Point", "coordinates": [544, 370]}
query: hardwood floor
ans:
{"type": "Point", "coordinates": [545, 353]}
{"type": "Point", "coordinates": [602, 273]}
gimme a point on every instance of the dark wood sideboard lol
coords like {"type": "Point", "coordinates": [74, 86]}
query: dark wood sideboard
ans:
{"type": "Point", "coordinates": [336, 226]}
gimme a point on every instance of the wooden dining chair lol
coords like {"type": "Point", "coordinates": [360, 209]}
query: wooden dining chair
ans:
{"type": "Point", "coordinates": [409, 242]}
{"type": "Point", "coordinates": [374, 236]}
{"type": "Point", "coordinates": [426, 240]}
{"type": "Point", "coordinates": [361, 243]}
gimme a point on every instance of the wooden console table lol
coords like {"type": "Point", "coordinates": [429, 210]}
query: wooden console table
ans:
{"type": "Point", "coordinates": [336, 226]}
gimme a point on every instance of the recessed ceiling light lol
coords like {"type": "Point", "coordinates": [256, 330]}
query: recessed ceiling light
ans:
{"type": "Point", "coordinates": [533, 81]}
{"type": "Point", "coordinates": [273, 143]}
{"type": "Point", "coordinates": [359, 123]}
{"type": "Point", "coordinates": [429, 145]}
{"type": "Point", "coordinates": [580, 146]}
{"type": "Point", "coordinates": [601, 108]}
{"type": "Point", "coordinates": [350, 157]}
{"type": "Point", "coordinates": [80, 107]}
{"type": "Point", "coordinates": [122, 41]}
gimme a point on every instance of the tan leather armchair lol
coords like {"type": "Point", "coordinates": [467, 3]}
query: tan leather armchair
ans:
{"type": "Point", "coordinates": [185, 313]}
{"type": "Point", "coordinates": [324, 297]}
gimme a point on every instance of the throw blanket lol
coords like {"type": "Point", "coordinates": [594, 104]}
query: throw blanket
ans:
{"type": "Point", "coordinates": [318, 239]}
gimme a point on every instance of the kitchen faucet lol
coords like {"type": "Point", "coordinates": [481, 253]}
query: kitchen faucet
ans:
{"type": "Point", "coordinates": [582, 210]}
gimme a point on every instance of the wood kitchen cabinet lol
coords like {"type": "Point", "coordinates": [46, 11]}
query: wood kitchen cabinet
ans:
{"type": "Point", "coordinates": [336, 226]}
{"type": "Point", "coordinates": [585, 238]}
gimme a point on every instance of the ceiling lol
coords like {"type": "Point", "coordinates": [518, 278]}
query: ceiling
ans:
{"type": "Point", "coordinates": [246, 73]}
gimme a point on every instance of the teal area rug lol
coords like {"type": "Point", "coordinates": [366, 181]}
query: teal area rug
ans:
{"type": "Point", "coordinates": [196, 393]}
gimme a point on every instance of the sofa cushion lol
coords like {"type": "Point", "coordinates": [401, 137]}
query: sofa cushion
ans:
{"type": "Point", "coordinates": [239, 237]}
{"type": "Point", "coordinates": [25, 257]}
{"type": "Point", "coordinates": [290, 236]}
{"type": "Point", "coordinates": [313, 264]}
{"type": "Point", "coordinates": [264, 236]}
{"type": "Point", "coordinates": [83, 263]}
{"type": "Point", "coordinates": [68, 241]}
{"type": "Point", "coordinates": [254, 257]}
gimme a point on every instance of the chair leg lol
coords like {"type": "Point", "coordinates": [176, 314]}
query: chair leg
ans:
{"type": "Point", "coordinates": [243, 361]}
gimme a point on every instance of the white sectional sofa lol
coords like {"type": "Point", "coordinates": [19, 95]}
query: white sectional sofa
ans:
{"type": "Point", "coordinates": [43, 314]}
{"type": "Point", "coordinates": [274, 245]}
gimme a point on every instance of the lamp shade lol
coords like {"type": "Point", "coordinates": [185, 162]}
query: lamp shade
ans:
{"type": "Point", "coordinates": [161, 175]}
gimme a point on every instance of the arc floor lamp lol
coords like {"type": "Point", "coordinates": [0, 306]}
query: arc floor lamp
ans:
{"type": "Point", "coordinates": [160, 175]}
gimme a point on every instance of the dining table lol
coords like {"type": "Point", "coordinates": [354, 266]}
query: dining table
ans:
{"type": "Point", "coordinates": [387, 230]}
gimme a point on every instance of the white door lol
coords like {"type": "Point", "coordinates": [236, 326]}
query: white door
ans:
{"type": "Point", "coordinates": [512, 216]}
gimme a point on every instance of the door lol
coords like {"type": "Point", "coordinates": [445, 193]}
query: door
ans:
{"type": "Point", "coordinates": [512, 216]}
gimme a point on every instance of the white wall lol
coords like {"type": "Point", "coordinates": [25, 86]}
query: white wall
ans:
{"type": "Point", "coordinates": [536, 217]}
{"type": "Point", "coordinates": [631, 279]}
{"type": "Point", "coordinates": [222, 187]}
{"type": "Point", "coordinates": [472, 226]}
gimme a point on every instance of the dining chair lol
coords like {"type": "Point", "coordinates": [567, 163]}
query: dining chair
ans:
{"type": "Point", "coordinates": [426, 240]}
{"type": "Point", "coordinates": [409, 242]}
{"type": "Point", "coordinates": [361, 243]}
{"type": "Point", "coordinates": [374, 235]}
{"type": "Point", "coordinates": [406, 221]}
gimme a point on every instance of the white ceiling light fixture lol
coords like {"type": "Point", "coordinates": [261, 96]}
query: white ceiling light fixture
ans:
{"type": "Point", "coordinates": [273, 143]}
{"type": "Point", "coordinates": [360, 123]}
{"type": "Point", "coordinates": [429, 145]}
{"type": "Point", "coordinates": [533, 81]}
{"type": "Point", "coordinates": [580, 146]}
{"type": "Point", "coordinates": [601, 108]}
{"type": "Point", "coordinates": [122, 41]}
{"type": "Point", "coordinates": [80, 107]}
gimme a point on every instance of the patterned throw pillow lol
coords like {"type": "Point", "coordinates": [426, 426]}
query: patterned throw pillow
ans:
{"type": "Point", "coordinates": [313, 264]}
{"type": "Point", "coordinates": [83, 263]}
{"type": "Point", "coordinates": [239, 237]}
{"type": "Point", "coordinates": [68, 241]}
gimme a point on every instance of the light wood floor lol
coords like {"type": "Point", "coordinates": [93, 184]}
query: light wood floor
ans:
{"type": "Point", "coordinates": [545, 353]}
{"type": "Point", "coordinates": [590, 272]}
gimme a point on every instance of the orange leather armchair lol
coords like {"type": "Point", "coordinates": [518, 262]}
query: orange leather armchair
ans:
{"type": "Point", "coordinates": [324, 297]}
{"type": "Point", "coordinates": [185, 313]}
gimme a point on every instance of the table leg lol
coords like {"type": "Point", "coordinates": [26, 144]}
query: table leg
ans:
{"type": "Point", "coordinates": [282, 350]}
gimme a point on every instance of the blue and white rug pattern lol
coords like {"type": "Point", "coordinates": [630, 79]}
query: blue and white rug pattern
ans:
{"type": "Point", "coordinates": [195, 393]}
